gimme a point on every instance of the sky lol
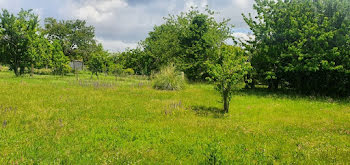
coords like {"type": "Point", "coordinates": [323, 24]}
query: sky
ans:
{"type": "Point", "coordinates": [120, 24]}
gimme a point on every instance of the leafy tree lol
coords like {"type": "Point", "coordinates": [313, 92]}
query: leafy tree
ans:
{"type": "Point", "coordinates": [302, 44]}
{"type": "Point", "coordinates": [98, 61]}
{"type": "Point", "coordinates": [60, 62]}
{"type": "Point", "coordinates": [76, 38]}
{"type": "Point", "coordinates": [143, 63]}
{"type": "Point", "coordinates": [46, 56]}
{"type": "Point", "coordinates": [188, 40]}
{"type": "Point", "coordinates": [228, 70]}
{"type": "Point", "coordinates": [16, 35]}
{"type": "Point", "coordinates": [37, 52]}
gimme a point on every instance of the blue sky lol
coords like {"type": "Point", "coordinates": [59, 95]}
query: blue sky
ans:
{"type": "Point", "coordinates": [122, 23]}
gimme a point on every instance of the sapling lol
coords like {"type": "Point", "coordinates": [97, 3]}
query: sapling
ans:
{"type": "Point", "coordinates": [227, 71]}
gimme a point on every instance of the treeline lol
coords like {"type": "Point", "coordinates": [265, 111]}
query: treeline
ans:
{"type": "Point", "coordinates": [297, 44]}
{"type": "Point", "coordinates": [25, 45]}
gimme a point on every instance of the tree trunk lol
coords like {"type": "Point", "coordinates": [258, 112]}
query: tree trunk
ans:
{"type": "Point", "coordinates": [15, 69]}
{"type": "Point", "coordinates": [32, 70]}
{"type": "Point", "coordinates": [253, 84]}
{"type": "Point", "coordinates": [21, 70]}
{"type": "Point", "coordinates": [76, 74]}
{"type": "Point", "coordinates": [226, 102]}
{"type": "Point", "coordinates": [273, 84]}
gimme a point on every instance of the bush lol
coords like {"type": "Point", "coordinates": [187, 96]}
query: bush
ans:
{"type": "Point", "coordinates": [116, 69]}
{"type": "Point", "coordinates": [62, 69]}
{"type": "Point", "coordinates": [168, 79]}
{"type": "Point", "coordinates": [129, 71]}
{"type": "Point", "coordinates": [43, 71]}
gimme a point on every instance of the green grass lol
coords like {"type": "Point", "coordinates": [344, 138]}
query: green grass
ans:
{"type": "Point", "coordinates": [58, 120]}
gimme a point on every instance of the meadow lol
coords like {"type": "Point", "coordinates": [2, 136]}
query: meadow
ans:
{"type": "Point", "coordinates": [61, 120]}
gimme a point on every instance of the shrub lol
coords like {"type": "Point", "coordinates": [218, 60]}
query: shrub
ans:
{"type": "Point", "coordinates": [168, 79]}
{"type": "Point", "coordinates": [116, 69]}
{"type": "Point", "coordinates": [43, 71]}
{"type": "Point", "coordinates": [129, 71]}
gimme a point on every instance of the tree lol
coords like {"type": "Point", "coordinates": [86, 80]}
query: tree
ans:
{"type": "Point", "coordinates": [17, 33]}
{"type": "Point", "coordinates": [37, 52]}
{"type": "Point", "coordinates": [188, 40]}
{"type": "Point", "coordinates": [302, 44]}
{"type": "Point", "coordinates": [142, 62]}
{"type": "Point", "coordinates": [76, 38]}
{"type": "Point", "coordinates": [228, 70]}
{"type": "Point", "coordinates": [98, 61]}
{"type": "Point", "coordinates": [60, 62]}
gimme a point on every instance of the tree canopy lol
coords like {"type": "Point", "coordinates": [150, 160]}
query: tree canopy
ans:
{"type": "Point", "coordinates": [75, 36]}
{"type": "Point", "coordinates": [302, 44]}
{"type": "Point", "coordinates": [187, 40]}
{"type": "Point", "coordinates": [18, 34]}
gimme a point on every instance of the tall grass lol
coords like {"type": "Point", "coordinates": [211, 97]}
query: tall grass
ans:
{"type": "Point", "coordinates": [168, 78]}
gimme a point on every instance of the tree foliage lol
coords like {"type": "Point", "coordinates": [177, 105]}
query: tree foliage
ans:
{"type": "Point", "coordinates": [17, 36]}
{"type": "Point", "coordinates": [98, 61]}
{"type": "Point", "coordinates": [60, 62]}
{"type": "Point", "coordinates": [188, 40]}
{"type": "Point", "coordinates": [228, 70]}
{"type": "Point", "coordinates": [75, 37]}
{"type": "Point", "coordinates": [302, 44]}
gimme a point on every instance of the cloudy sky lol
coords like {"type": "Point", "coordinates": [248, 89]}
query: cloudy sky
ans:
{"type": "Point", "coordinates": [122, 23]}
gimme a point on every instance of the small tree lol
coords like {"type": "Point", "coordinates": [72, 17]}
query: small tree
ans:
{"type": "Point", "coordinates": [95, 64]}
{"type": "Point", "coordinates": [228, 70]}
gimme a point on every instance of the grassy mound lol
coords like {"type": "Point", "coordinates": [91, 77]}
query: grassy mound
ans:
{"type": "Point", "coordinates": [168, 79]}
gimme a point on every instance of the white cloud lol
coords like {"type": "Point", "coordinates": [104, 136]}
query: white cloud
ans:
{"type": "Point", "coordinates": [95, 10]}
{"type": "Point", "coordinates": [241, 3]}
{"type": "Point", "coordinates": [122, 23]}
{"type": "Point", "coordinates": [201, 4]}
{"type": "Point", "coordinates": [116, 45]}
{"type": "Point", "coordinates": [243, 36]}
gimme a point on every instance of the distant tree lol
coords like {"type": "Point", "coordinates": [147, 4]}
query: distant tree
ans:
{"type": "Point", "coordinates": [143, 63]}
{"type": "Point", "coordinates": [47, 51]}
{"type": "Point", "coordinates": [98, 61]}
{"type": "Point", "coordinates": [60, 62]}
{"type": "Point", "coordinates": [17, 34]}
{"type": "Point", "coordinates": [75, 36]}
{"type": "Point", "coordinates": [227, 71]}
{"type": "Point", "coordinates": [37, 52]}
{"type": "Point", "coordinates": [2, 51]}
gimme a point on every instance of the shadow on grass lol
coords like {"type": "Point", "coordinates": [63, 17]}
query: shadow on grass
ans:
{"type": "Point", "coordinates": [208, 111]}
{"type": "Point", "coordinates": [291, 94]}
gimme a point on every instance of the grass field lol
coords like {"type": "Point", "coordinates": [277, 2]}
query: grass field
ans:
{"type": "Point", "coordinates": [59, 120]}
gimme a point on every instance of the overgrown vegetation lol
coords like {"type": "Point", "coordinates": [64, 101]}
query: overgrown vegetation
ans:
{"type": "Point", "coordinates": [168, 78]}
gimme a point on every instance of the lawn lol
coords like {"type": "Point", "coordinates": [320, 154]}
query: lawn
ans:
{"type": "Point", "coordinates": [59, 120]}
